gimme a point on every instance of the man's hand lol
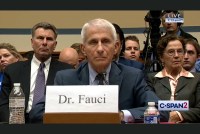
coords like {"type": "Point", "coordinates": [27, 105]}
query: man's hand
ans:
{"type": "Point", "coordinates": [121, 114]}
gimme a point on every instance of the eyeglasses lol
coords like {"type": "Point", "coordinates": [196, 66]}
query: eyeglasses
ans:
{"type": "Point", "coordinates": [172, 52]}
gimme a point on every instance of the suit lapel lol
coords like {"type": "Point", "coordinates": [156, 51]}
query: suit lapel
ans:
{"type": "Point", "coordinates": [165, 82]}
{"type": "Point", "coordinates": [83, 73]}
{"type": "Point", "coordinates": [25, 79]}
{"type": "Point", "coordinates": [52, 72]}
{"type": "Point", "coordinates": [115, 76]}
{"type": "Point", "coordinates": [182, 82]}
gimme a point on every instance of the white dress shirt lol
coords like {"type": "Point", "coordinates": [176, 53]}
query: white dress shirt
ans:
{"type": "Point", "coordinates": [35, 63]}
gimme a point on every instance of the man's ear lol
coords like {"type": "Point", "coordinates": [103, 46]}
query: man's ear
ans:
{"type": "Point", "coordinates": [32, 42]}
{"type": "Point", "coordinates": [117, 47]}
{"type": "Point", "coordinates": [54, 47]}
{"type": "Point", "coordinates": [82, 47]}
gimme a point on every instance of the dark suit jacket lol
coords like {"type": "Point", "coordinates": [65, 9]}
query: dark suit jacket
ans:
{"type": "Point", "coordinates": [131, 63]}
{"type": "Point", "coordinates": [184, 35]}
{"type": "Point", "coordinates": [187, 89]}
{"type": "Point", "coordinates": [19, 72]}
{"type": "Point", "coordinates": [187, 35]}
{"type": "Point", "coordinates": [134, 93]}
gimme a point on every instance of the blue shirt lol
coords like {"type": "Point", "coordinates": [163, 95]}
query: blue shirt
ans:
{"type": "Point", "coordinates": [1, 79]}
{"type": "Point", "coordinates": [197, 65]}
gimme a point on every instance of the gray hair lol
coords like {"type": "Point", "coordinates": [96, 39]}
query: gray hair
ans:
{"type": "Point", "coordinates": [46, 26]}
{"type": "Point", "coordinates": [100, 23]}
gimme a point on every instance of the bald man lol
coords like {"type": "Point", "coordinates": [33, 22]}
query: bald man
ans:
{"type": "Point", "coordinates": [70, 56]}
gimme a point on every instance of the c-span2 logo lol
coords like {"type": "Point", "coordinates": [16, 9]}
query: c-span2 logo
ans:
{"type": "Point", "coordinates": [167, 105]}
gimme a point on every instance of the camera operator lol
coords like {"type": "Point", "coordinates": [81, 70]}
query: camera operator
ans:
{"type": "Point", "coordinates": [173, 27]}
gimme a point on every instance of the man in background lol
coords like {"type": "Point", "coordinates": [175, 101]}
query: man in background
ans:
{"type": "Point", "coordinates": [81, 56]}
{"type": "Point", "coordinates": [119, 56]}
{"type": "Point", "coordinates": [191, 55]}
{"type": "Point", "coordinates": [173, 27]}
{"type": "Point", "coordinates": [132, 48]}
{"type": "Point", "coordinates": [43, 42]}
{"type": "Point", "coordinates": [69, 55]}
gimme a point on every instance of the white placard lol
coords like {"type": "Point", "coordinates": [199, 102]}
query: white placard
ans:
{"type": "Point", "coordinates": [82, 98]}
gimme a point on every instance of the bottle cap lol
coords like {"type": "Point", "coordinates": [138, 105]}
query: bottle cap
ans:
{"type": "Point", "coordinates": [151, 103]}
{"type": "Point", "coordinates": [16, 84]}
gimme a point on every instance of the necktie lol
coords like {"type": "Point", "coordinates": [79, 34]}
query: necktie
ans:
{"type": "Point", "coordinates": [100, 78]}
{"type": "Point", "coordinates": [39, 85]}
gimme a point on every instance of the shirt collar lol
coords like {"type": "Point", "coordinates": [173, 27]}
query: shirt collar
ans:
{"type": "Point", "coordinates": [93, 73]}
{"type": "Point", "coordinates": [37, 62]}
{"type": "Point", "coordinates": [164, 73]}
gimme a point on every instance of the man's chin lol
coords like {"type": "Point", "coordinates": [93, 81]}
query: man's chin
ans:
{"type": "Point", "coordinates": [170, 30]}
{"type": "Point", "coordinates": [100, 63]}
{"type": "Point", "coordinates": [44, 54]}
{"type": "Point", "coordinates": [186, 66]}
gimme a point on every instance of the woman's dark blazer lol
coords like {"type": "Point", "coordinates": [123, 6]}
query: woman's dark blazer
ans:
{"type": "Point", "coordinates": [187, 89]}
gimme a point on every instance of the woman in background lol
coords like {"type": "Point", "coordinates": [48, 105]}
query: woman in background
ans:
{"type": "Point", "coordinates": [8, 55]}
{"type": "Point", "coordinates": [173, 82]}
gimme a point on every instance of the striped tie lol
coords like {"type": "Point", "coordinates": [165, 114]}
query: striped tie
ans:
{"type": "Point", "coordinates": [39, 85]}
{"type": "Point", "coordinates": [100, 78]}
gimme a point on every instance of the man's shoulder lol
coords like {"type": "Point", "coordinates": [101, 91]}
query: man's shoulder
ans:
{"type": "Point", "coordinates": [60, 64]}
{"type": "Point", "coordinates": [187, 35]}
{"type": "Point", "coordinates": [131, 63]}
{"type": "Point", "coordinates": [127, 69]}
{"type": "Point", "coordinates": [17, 64]}
{"type": "Point", "coordinates": [137, 64]}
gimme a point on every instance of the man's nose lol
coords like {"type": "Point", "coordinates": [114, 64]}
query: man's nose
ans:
{"type": "Point", "coordinates": [99, 46]}
{"type": "Point", "coordinates": [44, 41]}
{"type": "Point", "coordinates": [2, 58]}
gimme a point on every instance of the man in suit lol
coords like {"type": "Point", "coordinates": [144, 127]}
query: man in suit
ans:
{"type": "Point", "coordinates": [43, 43]}
{"type": "Point", "coordinates": [119, 56]}
{"type": "Point", "coordinates": [172, 28]}
{"type": "Point", "coordinates": [191, 56]}
{"type": "Point", "coordinates": [100, 44]}
{"type": "Point", "coordinates": [69, 55]}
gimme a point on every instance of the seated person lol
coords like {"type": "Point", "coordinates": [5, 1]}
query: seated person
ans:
{"type": "Point", "coordinates": [100, 44]}
{"type": "Point", "coordinates": [132, 48]}
{"type": "Point", "coordinates": [119, 56]}
{"type": "Point", "coordinates": [81, 56]}
{"type": "Point", "coordinates": [173, 82]}
{"type": "Point", "coordinates": [69, 55]}
{"type": "Point", "coordinates": [192, 54]}
{"type": "Point", "coordinates": [8, 55]}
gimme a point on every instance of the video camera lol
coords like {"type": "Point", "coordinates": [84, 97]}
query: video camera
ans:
{"type": "Point", "coordinates": [153, 18]}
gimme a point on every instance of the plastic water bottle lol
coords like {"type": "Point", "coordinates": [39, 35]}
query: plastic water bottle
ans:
{"type": "Point", "coordinates": [151, 114]}
{"type": "Point", "coordinates": [16, 105]}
